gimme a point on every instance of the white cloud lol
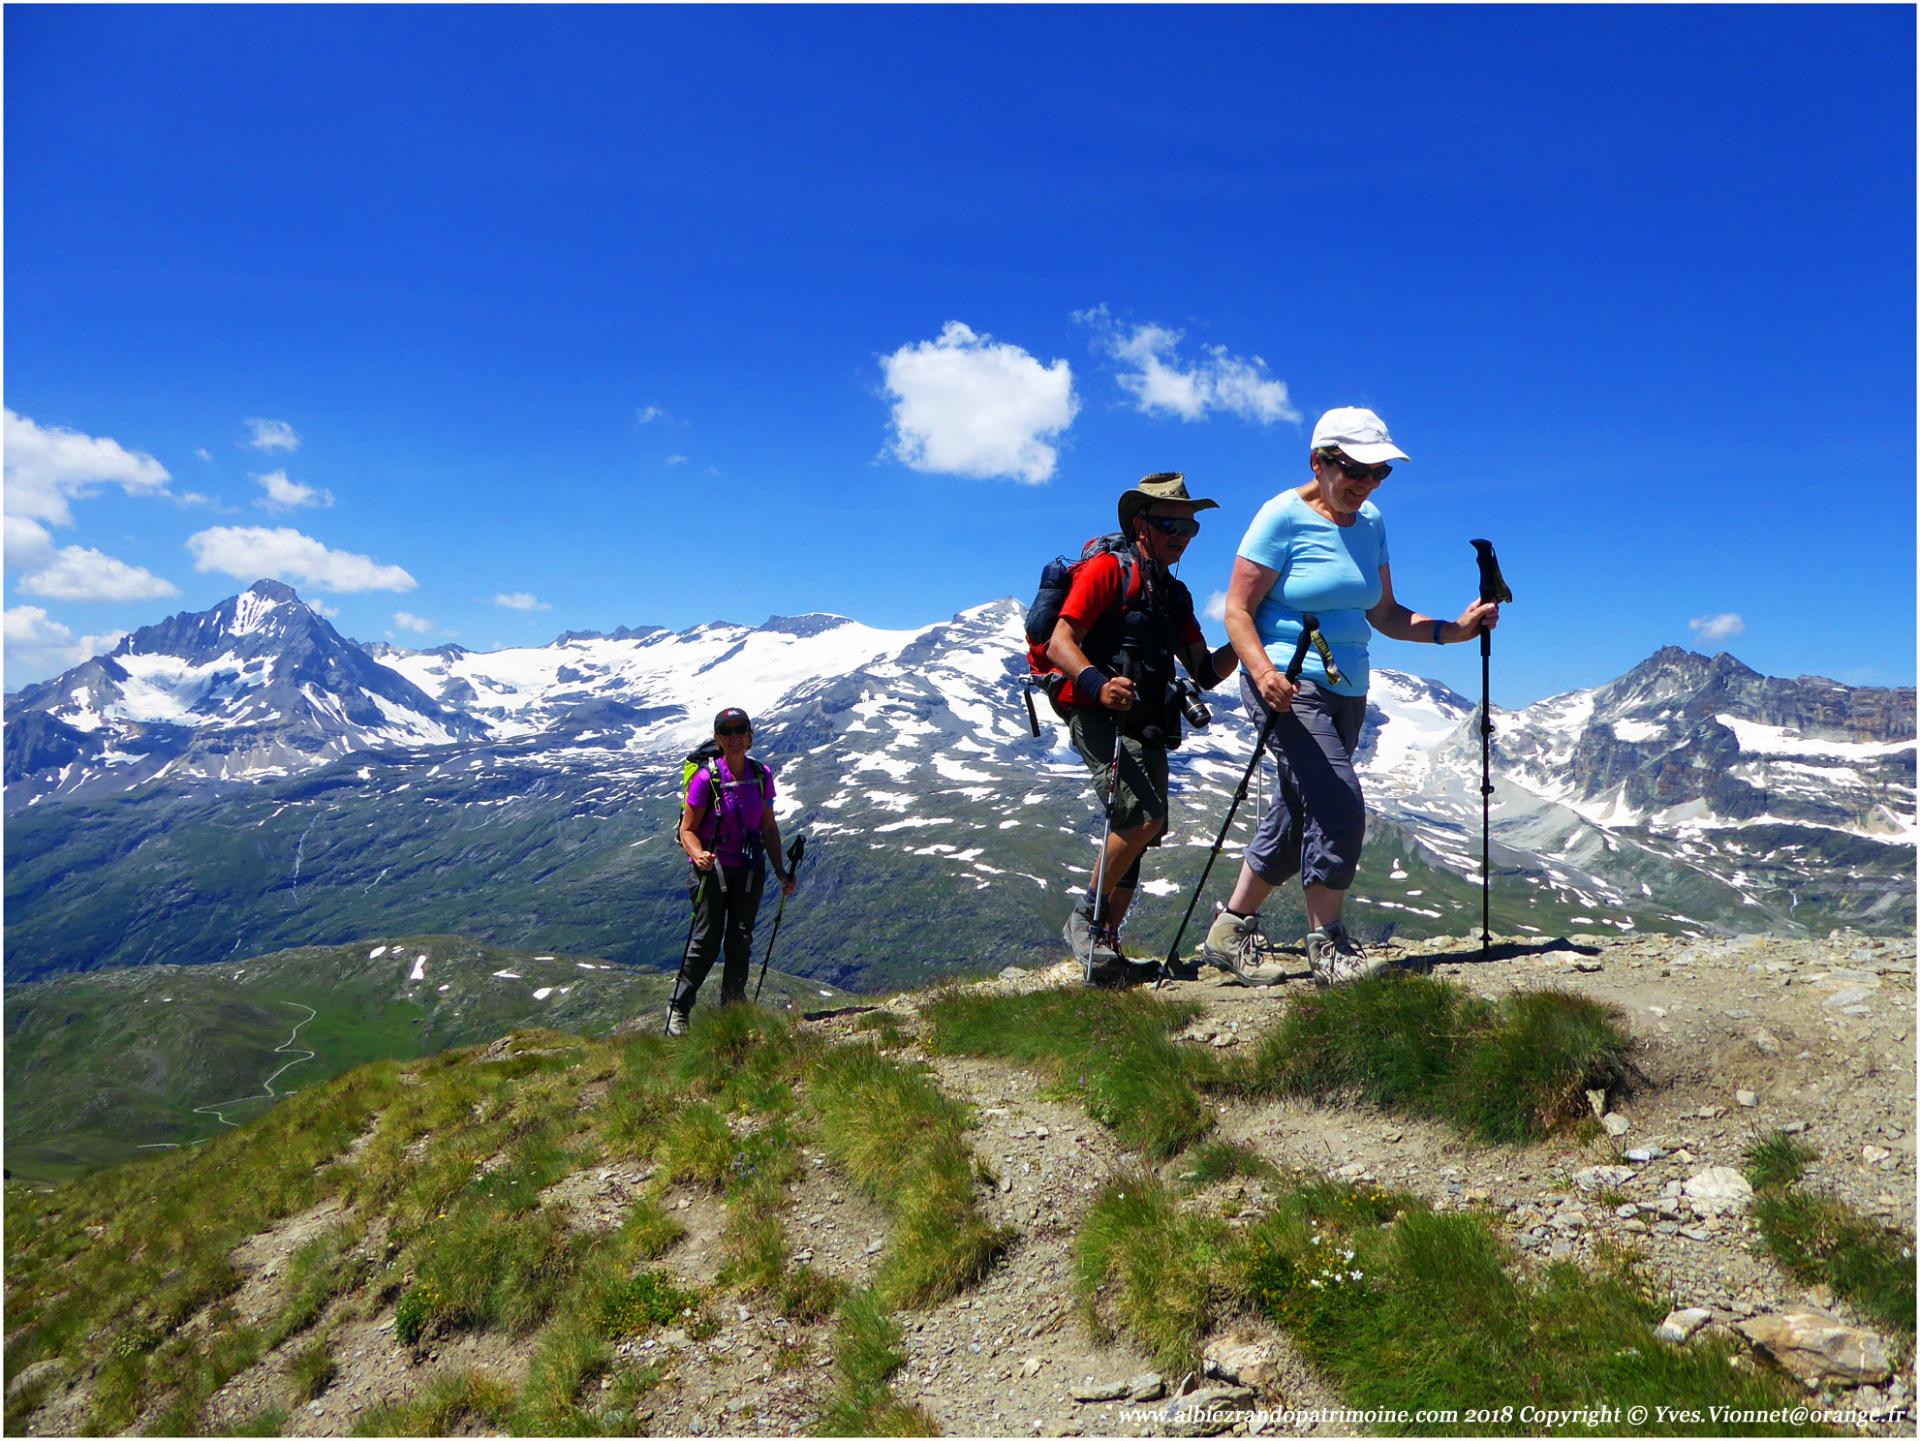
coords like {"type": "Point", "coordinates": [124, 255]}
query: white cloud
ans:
{"type": "Point", "coordinates": [1724, 626]}
{"type": "Point", "coordinates": [202, 453]}
{"type": "Point", "coordinates": [249, 552]}
{"type": "Point", "coordinates": [676, 460]}
{"type": "Point", "coordinates": [47, 467]}
{"type": "Point", "coordinates": [647, 414]}
{"type": "Point", "coordinates": [39, 646]}
{"type": "Point", "coordinates": [408, 621]}
{"type": "Point", "coordinates": [966, 404]}
{"type": "Point", "coordinates": [521, 600]}
{"type": "Point", "coordinates": [1162, 384]}
{"type": "Point", "coordinates": [320, 607]}
{"type": "Point", "coordinates": [284, 494]}
{"type": "Point", "coordinates": [79, 573]}
{"type": "Point", "coordinates": [270, 434]}
{"type": "Point", "coordinates": [28, 545]}
{"type": "Point", "coordinates": [1216, 608]}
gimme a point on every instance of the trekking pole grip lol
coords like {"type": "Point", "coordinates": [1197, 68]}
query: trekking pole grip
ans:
{"type": "Point", "coordinates": [1309, 623]}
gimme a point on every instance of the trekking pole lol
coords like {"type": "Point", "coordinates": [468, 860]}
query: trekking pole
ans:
{"type": "Point", "coordinates": [794, 852]}
{"type": "Point", "coordinates": [1493, 590]}
{"type": "Point", "coordinates": [1309, 627]}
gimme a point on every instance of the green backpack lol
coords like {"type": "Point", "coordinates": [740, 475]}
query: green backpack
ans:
{"type": "Point", "coordinates": [707, 754]}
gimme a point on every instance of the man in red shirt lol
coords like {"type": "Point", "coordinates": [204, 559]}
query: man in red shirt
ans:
{"type": "Point", "coordinates": [1118, 653]}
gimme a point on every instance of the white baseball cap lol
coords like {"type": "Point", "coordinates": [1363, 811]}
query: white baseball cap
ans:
{"type": "Point", "coordinates": [1358, 433]}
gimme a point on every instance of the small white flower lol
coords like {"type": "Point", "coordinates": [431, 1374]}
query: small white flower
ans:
{"type": "Point", "coordinates": [1354, 1274]}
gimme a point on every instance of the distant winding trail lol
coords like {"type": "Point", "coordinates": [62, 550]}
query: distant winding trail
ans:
{"type": "Point", "coordinates": [266, 1091]}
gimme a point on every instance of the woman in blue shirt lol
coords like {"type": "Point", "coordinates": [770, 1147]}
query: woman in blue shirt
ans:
{"type": "Point", "coordinates": [1320, 549]}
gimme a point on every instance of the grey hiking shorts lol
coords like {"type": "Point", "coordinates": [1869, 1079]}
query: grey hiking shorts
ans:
{"type": "Point", "coordinates": [1318, 818]}
{"type": "Point", "coordinates": [1140, 788]}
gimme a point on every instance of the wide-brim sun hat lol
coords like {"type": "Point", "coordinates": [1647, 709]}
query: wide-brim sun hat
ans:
{"type": "Point", "coordinates": [1358, 434]}
{"type": "Point", "coordinates": [1162, 485]}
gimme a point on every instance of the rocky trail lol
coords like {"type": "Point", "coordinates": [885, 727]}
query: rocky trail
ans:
{"type": "Point", "coordinates": [1736, 1039]}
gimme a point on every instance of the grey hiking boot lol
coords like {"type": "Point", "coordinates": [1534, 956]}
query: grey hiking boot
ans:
{"type": "Point", "coordinates": [676, 1021]}
{"type": "Point", "coordinates": [1081, 939]}
{"type": "Point", "coordinates": [1336, 958]}
{"type": "Point", "coordinates": [1238, 946]}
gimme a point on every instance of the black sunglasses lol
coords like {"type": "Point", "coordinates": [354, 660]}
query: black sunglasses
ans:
{"type": "Point", "coordinates": [1173, 524]}
{"type": "Point", "coordinates": [1354, 470]}
{"type": "Point", "coordinates": [733, 730]}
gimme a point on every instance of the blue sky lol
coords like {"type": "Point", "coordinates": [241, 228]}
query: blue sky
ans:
{"type": "Point", "coordinates": [669, 315]}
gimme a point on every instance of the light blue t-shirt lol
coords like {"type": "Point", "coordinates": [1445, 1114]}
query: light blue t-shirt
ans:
{"type": "Point", "coordinates": [1330, 570]}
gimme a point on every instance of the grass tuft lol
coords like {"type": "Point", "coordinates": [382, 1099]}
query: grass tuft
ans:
{"type": "Point", "coordinates": [568, 1356]}
{"type": "Point", "coordinates": [1111, 1049]}
{"type": "Point", "coordinates": [697, 1145]}
{"type": "Point", "coordinates": [1527, 1075]}
{"type": "Point", "coordinates": [320, 1270]}
{"type": "Point", "coordinates": [866, 1351]}
{"type": "Point", "coordinates": [622, 1306]}
{"type": "Point", "coordinates": [1404, 1308]}
{"type": "Point", "coordinates": [903, 1143]}
{"type": "Point", "coordinates": [1510, 1071]}
{"type": "Point", "coordinates": [1212, 1161]}
{"type": "Point", "coordinates": [745, 1057]}
{"type": "Point", "coordinates": [312, 1371]}
{"type": "Point", "coordinates": [1819, 1239]}
{"type": "Point", "coordinates": [1144, 1267]}
{"type": "Point", "coordinates": [1778, 1159]}
{"type": "Point", "coordinates": [268, 1421]}
{"type": "Point", "coordinates": [447, 1406]}
{"type": "Point", "coordinates": [481, 1269]}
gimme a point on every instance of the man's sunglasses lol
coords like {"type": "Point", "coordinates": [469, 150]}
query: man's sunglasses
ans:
{"type": "Point", "coordinates": [1354, 470]}
{"type": "Point", "coordinates": [733, 730]}
{"type": "Point", "coordinates": [1173, 524]}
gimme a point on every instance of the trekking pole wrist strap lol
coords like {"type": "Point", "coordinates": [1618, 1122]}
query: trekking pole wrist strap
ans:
{"type": "Point", "coordinates": [1438, 638]}
{"type": "Point", "coordinates": [1090, 682]}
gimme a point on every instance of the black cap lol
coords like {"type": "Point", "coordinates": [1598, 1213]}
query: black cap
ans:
{"type": "Point", "coordinates": [732, 715]}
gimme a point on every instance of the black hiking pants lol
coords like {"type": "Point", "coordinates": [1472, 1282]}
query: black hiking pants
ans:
{"type": "Point", "coordinates": [721, 921]}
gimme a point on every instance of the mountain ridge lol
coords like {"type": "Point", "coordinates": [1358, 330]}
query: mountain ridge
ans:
{"type": "Point", "coordinates": [1688, 794]}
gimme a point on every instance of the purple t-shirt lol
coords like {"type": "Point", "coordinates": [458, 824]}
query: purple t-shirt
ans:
{"type": "Point", "coordinates": [743, 805]}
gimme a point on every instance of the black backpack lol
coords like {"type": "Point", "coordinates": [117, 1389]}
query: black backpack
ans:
{"type": "Point", "coordinates": [1056, 579]}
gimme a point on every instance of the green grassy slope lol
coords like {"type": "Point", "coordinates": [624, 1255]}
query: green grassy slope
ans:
{"type": "Point", "coordinates": [104, 1064]}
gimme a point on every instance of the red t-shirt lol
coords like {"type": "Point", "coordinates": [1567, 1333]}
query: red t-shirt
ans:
{"type": "Point", "coordinates": [1095, 593]}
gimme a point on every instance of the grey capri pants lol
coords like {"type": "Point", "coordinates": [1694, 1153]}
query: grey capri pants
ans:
{"type": "Point", "coordinates": [1318, 819]}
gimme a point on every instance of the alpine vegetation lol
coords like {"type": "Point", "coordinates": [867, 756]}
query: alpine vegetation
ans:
{"type": "Point", "coordinates": [1511, 1070]}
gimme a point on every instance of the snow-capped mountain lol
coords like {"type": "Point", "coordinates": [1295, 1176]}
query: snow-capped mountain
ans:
{"type": "Point", "coordinates": [528, 795]}
{"type": "Point", "coordinates": [677, 680]}
{"type": "Point", "coordinates": [259, 686]}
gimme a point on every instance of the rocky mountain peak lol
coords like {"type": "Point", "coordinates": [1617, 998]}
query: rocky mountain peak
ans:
{"type": "Point", "coordinates": [813, 623]}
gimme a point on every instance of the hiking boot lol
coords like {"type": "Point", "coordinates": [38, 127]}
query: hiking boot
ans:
{"type": "Point", "coordinates": [1336, 958]}
{"type": "Point", "coordinates": [1081, 938]}
{"type": "Point", "coordinates": [676, 1021]}
{"type": "Point", "coordinates": [1238, 946]}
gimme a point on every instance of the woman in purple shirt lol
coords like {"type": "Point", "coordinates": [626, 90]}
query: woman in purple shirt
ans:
{"type": "Point", "coordinates": [727, 829]}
